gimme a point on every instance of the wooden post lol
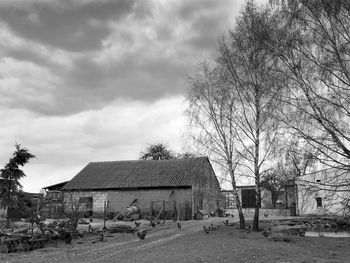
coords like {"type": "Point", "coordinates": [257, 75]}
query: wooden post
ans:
{"type": "Point", "coordinates": [105, 214]}
{"type": "Point", "coordinates": [285, 190]}
{"type": "Point", "coordinates": [50, 215]}
{"type": "Point", "coordinates": [158, 215]}
{"type": "Point", "coordinates": [163, 211]}
{"type": "Point", "coordinates": [151, 216]}
{"type": "Point", "coordinates": [174, 210]}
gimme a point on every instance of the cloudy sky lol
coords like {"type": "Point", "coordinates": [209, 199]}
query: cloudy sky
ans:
{"type": "Point", "coordinates": [89, 80]}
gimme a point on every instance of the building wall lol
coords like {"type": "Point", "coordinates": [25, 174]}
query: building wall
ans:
{"type": "Point", "coordinates": [313, 187]}
{"type": "Point", "coordinates": [98, 199]}
{"type": "Point", "coordinates": [331, 202]}
{"type": "Point", "coordinates": [249, 212]}
{"type": "Point", "coordinates": [266, 204]}
{"type": "Point", "coordinates": [206, 193]}
{"type": "Point", "coordinates": [266, 198]}
{"type": "Point", "coordinates": [119, 200]}
{"type": "Point", "coordinates": [266, 201]}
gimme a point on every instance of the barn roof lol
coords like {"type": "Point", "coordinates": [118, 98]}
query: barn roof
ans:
{"type": "Point", "coordinates": [137, 174]}
{"type": "Point", "coordinates": [58, 186]}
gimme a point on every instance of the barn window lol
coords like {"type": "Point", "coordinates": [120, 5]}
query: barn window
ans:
{"type": "Point", "coordinates": [319, 201]}
{"type": "Point", "coordinates": [248, 198]}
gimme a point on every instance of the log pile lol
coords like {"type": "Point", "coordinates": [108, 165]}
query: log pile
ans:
{"type": "Point", "coordinates": [275, 229]}
{"type": "Point", "coordinates": [119, 228]}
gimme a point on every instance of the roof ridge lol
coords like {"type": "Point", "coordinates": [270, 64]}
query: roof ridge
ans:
{"type": "Point", "coordinates": [138, 160]}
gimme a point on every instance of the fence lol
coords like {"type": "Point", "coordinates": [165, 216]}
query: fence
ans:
{"type": "Point", "coordinates": [170, 209]}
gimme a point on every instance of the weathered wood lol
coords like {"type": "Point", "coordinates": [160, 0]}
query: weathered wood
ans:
{"type": "Point", "coordinates": [157, 217]}
{"type": "Point", "coordinates": [116, 217]}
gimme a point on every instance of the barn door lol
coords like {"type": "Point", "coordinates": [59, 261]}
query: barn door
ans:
{"type": "Point", "coordinates": [248, 198]}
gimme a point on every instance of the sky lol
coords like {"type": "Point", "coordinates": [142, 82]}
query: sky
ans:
{"type": "Point", "coordinates": [99, 80]}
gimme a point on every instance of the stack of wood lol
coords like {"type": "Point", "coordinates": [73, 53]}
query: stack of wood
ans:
{"type": "Point", "coordinates": [278, 230]}
{"type": "Point", "coordinates": [119, 228]}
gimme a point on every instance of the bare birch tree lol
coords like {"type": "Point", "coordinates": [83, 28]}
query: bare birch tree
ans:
{"type": "Point", "coordinates": [245, 56]}
{"type": "Point", "coordinates": [312, 41]}
{"type": "Point", "coordinates": [212, 107]}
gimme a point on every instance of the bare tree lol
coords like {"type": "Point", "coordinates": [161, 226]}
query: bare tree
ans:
{"type": "Point", "coordinates": [313, 43]}
{"type": "Point", "coordinates": [312, 40]}
{"type": "Point", "coordinates": [245, 56]}
{"type": "Point", "coordinates": [212, 107]}
{"type": "Point", "coordinates": [75, 207]}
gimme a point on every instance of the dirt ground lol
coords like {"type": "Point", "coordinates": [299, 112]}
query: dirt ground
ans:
{"type": "Point", "coordinates": [168, 243]}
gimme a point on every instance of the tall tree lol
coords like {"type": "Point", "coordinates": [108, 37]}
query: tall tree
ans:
{"type": "Point", "coordinates": [156, 151]}
{"type": "Point", "coordinates": [10, 178]}
{"type": "Point", "coordinates": [245, 56]}
{"type": "Point", "coordinates": [312, 41]}
{"type": "Point", "coordinates": [212, 107]}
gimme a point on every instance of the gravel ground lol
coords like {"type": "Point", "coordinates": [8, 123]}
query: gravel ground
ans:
{"type": "Point", "coordinates": [167, 243]}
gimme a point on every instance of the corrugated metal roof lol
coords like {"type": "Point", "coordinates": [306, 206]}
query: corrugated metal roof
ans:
{"type": "Point", "coordinates": [137, 174]}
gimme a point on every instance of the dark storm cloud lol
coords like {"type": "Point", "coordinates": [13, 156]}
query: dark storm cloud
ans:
{"type": "Point", "coordinates": [187, 9]}
{"type": "Point", "coordinates": [65, 25]}
{"type": "Point", "coordinates": [204, 24]}
{"type": "Point", "coordinates": [90, 87]}
{"type": "Point", "coordinates": [90, 80]}
{"type": "Point", "coordinates": [26, 55]}
{"type": "Point", "coordinates": [104, 50]}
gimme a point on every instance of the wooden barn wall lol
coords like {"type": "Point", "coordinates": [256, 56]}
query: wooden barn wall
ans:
{"type": "Point", "coordinates": [119, 200]}
{"type": "Point", "coordinates": [206, 193]}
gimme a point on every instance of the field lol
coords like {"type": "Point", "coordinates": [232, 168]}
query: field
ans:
{"type": "Point", "coordinates": [168, 243]}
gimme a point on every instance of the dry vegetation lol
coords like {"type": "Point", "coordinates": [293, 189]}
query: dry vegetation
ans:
{"type": "Point", "coordinates": [168, 243]}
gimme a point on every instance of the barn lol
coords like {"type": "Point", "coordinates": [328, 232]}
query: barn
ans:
{"type": "Point", "coordinates": [187, 185]}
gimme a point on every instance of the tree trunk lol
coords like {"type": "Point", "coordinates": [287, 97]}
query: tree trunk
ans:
{"type": "Point", "coordinates": [239, 207]}
{"type": "Point", "coordinates": [7, 217]}
{"type": "Point", "coordinates": [240, 212]}
{"type": "Point", "coordinates": [257, 207]}
{"type": "Point", "coordinates": [9, 199]}
{"type": "Point", "coordinates": [238, 202]}
{"type": "Point", "coordinates": [256, 163]}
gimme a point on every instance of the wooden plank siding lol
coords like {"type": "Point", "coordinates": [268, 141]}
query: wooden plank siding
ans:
{"type": "Point", "coordinates": [189, 182]}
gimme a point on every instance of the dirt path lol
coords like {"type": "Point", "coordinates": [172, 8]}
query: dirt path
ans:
{"type": "Point", "coordinates": [167, 243]}
{"type": "Point", "coordinates": [85, 250]}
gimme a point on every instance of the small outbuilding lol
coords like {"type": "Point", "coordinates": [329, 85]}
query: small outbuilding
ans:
{"type": "Point", "coordinates": [181, 186]}
{"type": "Point", "coordinates": [201, 214]}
